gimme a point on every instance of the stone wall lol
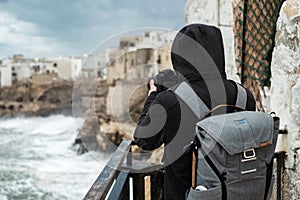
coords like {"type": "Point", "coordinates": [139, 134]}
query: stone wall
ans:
{"type": "Point", "coordinates": [285, 91]}
{"type": "Point", "coordinates": [217, 13]}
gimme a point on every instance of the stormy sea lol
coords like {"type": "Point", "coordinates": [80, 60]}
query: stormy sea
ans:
{"type": "Point", "coordinates": [37, 160]}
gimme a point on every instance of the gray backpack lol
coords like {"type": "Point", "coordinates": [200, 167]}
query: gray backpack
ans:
{"type": "Point", "coordinates": [234, 151]}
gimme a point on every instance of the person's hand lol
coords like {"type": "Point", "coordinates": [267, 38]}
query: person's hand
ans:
{"type": "Point", "coordinates": [153, 88]}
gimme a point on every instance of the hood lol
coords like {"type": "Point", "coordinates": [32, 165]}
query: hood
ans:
{"type": "Point", "coordinates": [198, 52]}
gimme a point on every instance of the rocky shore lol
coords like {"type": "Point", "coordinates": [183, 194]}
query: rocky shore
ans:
{"type": "Point", "coordinates": [101, 130]}
{"type": "Point", "coordinates": [36, 100]}
{"type": "Point", "coordinates": [108, 119]}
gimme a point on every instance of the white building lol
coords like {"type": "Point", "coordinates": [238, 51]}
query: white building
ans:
{"type": "Point", "coordinates": [67, 68]}
{"type": "Point", "coordinates": [76, 66]}
{"type": "Point", "coordinates": [44, 66]}
{"type": "Point", "coordinates": [150, 39]}
{"type": "Point", "coordinates": [22, 68]}
{"type": "Point", "coordinates": [93, 65]}
{"type": "Point", "coordinates": [5, 76]}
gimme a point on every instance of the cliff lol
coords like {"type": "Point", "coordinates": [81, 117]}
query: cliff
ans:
{"type": "Point", "coordinates": [99, 127]}
{"type": "Point", "coordinates": [110, 112]}
{"type": "Point", "coordinates": [27, 99]}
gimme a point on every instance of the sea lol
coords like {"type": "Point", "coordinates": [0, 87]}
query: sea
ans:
{"type": "Point", "coordinates": [38, 161]}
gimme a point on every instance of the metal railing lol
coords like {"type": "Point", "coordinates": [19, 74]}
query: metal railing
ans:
{"type": "Point", "coordinates": [113, 183]}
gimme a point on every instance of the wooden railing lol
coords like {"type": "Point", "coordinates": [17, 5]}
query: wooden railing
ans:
{"type": "Point", "coordinates": [113, 183]}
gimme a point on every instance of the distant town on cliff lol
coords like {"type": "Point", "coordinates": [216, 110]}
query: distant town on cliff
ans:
{"type": "Point", "coordinates": [136, 50]}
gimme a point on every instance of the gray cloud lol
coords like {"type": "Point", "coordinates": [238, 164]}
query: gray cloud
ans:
{"type": "Point", "coordinates": [75, 27]}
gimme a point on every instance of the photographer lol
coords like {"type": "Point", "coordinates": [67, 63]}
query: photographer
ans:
{"type": "Point", "coordinates": [162, 105]}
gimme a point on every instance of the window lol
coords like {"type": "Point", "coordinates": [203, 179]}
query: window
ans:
{"type": "Point", "coordinates": [159, 59]}
{"type": "Point", "coordinates": [36, 68]}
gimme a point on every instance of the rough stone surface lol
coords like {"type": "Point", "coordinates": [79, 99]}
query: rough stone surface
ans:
{"type": "Point", "coordinates": [285, 90]}
{"type": "Point", "coordinates": [29, 99]}
{"type": "Point", "coordinates": [225, 13]}
{"type": "Point", "coordinates": [124, 98]}
{"type": "Point", "coordinates": [111, 113]}
{"type": "Point", "coordinates": [204, 11]}
{"type": "Point", "coordinates": [227, 34]}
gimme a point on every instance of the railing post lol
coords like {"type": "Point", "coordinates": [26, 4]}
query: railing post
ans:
{"type": "Point", "coordinates": [126, 190]}
{"type": "Point", "coordinates": [119, 173]}
{"type": "Point", "coordinates": [280, 167]}
{"type": "Point", "coordinates": [280, 155]}
{"type": "Point", "coordinates": [129, 157]}
{"type": "Point", "coordinates": [156, 185]}
{"type": "Point", "coordinates": [138, 186]}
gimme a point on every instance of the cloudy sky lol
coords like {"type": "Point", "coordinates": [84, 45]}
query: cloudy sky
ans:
{"type": "Point", "coordinates": [44, 28]}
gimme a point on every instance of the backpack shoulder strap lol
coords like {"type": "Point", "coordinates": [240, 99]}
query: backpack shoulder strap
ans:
{"type": "Point", "coordinates": [241, 99]}
{"type": "Point", "coordinates": [191, 99]}
{"type": "Point", "coordinates": [195, 103]}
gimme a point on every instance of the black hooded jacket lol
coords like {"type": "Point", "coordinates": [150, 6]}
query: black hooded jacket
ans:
{"type": "Point", "coordinates": [198, 56]}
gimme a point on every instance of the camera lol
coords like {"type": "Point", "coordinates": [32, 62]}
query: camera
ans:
{"type": "Point", "coordinates": [164, 80]}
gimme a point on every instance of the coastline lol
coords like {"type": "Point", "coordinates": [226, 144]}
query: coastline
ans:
{"type": "Point", "coordinates": [36, 100]}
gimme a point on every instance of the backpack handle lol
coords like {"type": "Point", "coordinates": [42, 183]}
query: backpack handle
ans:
{"type": "Point", "coordinates": [223, 106]}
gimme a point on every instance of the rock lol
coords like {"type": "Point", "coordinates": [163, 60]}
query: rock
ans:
{"type": "Point", "coordinates": [43, 100]}
{"type": "Point", "coordinates": [123, 99]}
{"type": "Point", "coordinates": [285, 95]}
{"type": "Point", "coordinates": [91, 135]}
{"type": "Point", "coordinates": [156, 156]}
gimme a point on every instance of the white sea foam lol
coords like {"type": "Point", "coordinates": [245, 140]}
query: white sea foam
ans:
{"type": "Point", "coordinates": [37, 161]}
{"type": "Point", "coordinates": [42, 125]}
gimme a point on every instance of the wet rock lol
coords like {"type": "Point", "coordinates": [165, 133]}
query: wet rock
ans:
{"type": "Point", "coordinates": [285, 100]}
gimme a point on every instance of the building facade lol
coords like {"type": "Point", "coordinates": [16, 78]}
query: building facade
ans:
{"type": "Point", "coordinates": [130, 67]}
{"type": "Point", "coordinates": [93, 65]}
{"type": "Point", "coordinates": [140, 57]}
{"type": "Point", "coordinates": [19, 69]}
{"type": "Point", "coordinates": [5, 75]}
{"type": "Point", "coordinates": [67, 68]}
